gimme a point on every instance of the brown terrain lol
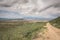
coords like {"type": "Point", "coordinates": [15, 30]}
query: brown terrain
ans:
{"type": "Point", "coordinates": [51, 33]}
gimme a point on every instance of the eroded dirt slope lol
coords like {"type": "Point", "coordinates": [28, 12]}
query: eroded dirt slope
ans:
{"type": "Point", "coordinates": [51, 33]}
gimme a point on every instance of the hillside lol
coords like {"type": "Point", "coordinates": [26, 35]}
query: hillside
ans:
{"type": "Point", "coordinates": [51, 33]}
{"type": "Point", "coordinates": [55, 22]}
{"type": "Point", "coordinates": [20, 30]}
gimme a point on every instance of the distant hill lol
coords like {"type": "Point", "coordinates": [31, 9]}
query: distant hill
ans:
{"type": "Point", "coordinates": [56, 22]}
{"type": "Point", "coordinates": [8, 19]}
{"type": "Point", "coordinates": [37, 18]}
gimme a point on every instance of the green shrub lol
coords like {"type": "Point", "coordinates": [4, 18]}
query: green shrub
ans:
{"type": "Point", "coordinates": [20, 31]}
{"type": "Point", "coordinates": [55, 22]}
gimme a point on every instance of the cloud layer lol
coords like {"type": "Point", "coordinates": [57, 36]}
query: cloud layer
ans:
{"type": "Point", "coordinates": [34, 8]}
{"type": "Point", "coordinates": [9, 14]}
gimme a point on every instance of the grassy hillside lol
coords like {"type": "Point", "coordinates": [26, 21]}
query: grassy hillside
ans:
{"type": "Point", "coordinates": [20, 30]}
{"type": "Point", "coordinates": [56, 22]}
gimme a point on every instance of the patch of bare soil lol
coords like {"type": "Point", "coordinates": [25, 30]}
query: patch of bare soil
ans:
{"type": "Point", "coordinates": [51, 33]}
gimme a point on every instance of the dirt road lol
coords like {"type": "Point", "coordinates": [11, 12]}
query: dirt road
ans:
{"type": "Point", "coordinates": [51, 33]}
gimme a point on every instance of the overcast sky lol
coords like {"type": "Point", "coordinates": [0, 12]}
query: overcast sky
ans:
{"type": "Point", "coordinates": [31, 8]}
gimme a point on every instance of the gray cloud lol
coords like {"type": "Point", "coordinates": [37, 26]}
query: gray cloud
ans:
{"type": "Point", "coordinates": [1, 0]}
{"type": "Point", "coordinates": [8, 3]}
{"type": "Point", "coordinates": [43, 8]}
{"type": "Point", "coordinates": [9, 14]}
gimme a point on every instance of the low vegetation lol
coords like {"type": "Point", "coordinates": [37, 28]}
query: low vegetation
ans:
{"type": "Point", "coordinates": [55, 22]}
{"type": "Point", "coordinates": [20, 30]}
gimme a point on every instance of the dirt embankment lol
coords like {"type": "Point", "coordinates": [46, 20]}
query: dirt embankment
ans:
{"type": "Point", "coordinates": [51, 33]}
